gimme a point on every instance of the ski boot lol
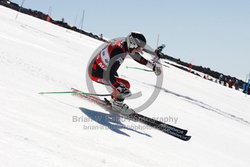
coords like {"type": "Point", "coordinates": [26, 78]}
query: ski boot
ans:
{"type": "Point", "coordinates": [121, 107]}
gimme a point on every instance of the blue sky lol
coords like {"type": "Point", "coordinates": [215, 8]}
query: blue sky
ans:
{"type": "Point", "coordinates": [211, 33]}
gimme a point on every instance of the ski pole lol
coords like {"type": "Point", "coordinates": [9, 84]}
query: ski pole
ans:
{"type": "Point", "coordinates": [73, 92]}
{"type": "Point", "coordinates": [137, 68]}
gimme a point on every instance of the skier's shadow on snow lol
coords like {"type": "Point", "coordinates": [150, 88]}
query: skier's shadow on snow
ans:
{"type": "Point", "coordinates": [109, 121]}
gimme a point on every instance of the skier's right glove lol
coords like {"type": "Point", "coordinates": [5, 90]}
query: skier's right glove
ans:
{"type": "Point", "coordinates": [154, 67]}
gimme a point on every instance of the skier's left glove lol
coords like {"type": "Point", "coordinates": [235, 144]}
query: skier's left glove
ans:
{"type": "Point", "coordinates": [159, 54]}
{"type": "Point", "coordinates": [158, 51]}
{"type": "Point", "coordinates": [154, 67]}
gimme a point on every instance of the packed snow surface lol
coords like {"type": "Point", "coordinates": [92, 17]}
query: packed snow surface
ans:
{"type": "Point", "coordinates": [63, 130]}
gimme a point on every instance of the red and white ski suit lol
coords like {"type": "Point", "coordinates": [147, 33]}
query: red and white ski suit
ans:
{"type": "Point", "coordinates": [103, 68]}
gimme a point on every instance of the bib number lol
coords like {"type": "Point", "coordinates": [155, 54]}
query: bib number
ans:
{"type": "Point", "coordinates": [103, 59]}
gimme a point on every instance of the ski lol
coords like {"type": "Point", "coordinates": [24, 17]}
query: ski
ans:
{"type": "Point", "coordinates": [164, 127]}
{"type": "Point", "coordinates": [155, 123]}
{"type": "Point", "coordinates": [160, 125]}
{"type": "Point", "coordinates": [169, 129]}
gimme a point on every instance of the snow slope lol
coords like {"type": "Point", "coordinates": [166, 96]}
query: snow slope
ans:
{"type": "Point", "coordinates": [62, 130]}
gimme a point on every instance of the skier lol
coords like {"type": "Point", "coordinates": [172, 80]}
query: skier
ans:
{"type": "Point", "coordinates": [103, 68]}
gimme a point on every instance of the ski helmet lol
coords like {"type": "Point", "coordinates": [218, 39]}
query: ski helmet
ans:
{"type": "Point", "coordinates": [135, 40]}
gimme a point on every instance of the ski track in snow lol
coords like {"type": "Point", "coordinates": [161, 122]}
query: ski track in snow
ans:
{"type": "Point", "coordinates": [200, 104]}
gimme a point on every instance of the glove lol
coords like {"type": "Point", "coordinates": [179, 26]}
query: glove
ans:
{"type": "Point", "coordinates": [154, 67]}
{"type": "Point", "coordinates": [158, 51]}
{"type": "Point", "coordinates": [157, 70]}
{"type": "Point", "coordinates": [159, 54]}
